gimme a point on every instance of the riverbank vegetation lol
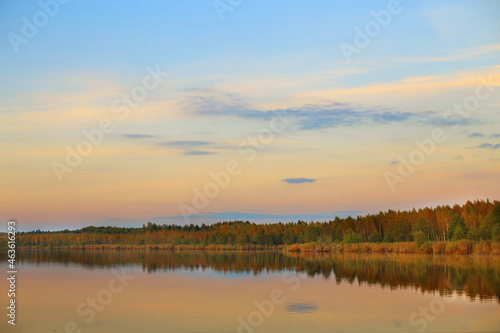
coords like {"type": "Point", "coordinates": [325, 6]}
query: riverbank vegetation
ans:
{"type": "Point", "coordinates": [473, 228]}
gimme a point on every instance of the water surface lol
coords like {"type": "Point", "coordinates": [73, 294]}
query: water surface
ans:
{"type": "Point", "coordinates": [194, 291]}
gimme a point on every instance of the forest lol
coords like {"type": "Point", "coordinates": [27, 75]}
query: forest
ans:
{"type": "Point", "coordinates": [474, 222]}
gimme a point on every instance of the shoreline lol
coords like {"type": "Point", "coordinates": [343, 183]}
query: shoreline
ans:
{"type": "Point", "coordinates": [463, 248]}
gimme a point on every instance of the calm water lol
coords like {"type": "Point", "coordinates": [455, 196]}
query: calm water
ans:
{"type": "Point", "coordinates": [131, 291]}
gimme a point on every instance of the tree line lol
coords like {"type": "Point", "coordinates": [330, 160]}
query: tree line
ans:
{"type": "Point", "coordinates": [476, 221]}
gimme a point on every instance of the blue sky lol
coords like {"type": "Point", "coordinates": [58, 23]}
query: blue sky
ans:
{"type": "Point", "coordinates": [127, 36]}
{"type": "Point", "coordinates": [350, 121]}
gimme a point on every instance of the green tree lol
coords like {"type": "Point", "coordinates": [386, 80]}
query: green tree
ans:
{"type": "Point", "coordinates": [458, 230]}
{"type": "Point", "coordinates": [265, 239]}
{"type": "Point", "coordinates": [389, 236]}
{"type": "Point", "coordinates": [312, 234]}
{"type": "Point", "coordinates": [289, 237]}
{"type": "Point", "coordinates": [420, 238]}
{"type": "Point", "coordinates": [353, 237]}
{"type": "Point", "coordinates": [421, 225]}
{"type": "Point", "coordinates": [491, 223]}
{"type": "Point", "coordinates": [242, 238]}
{"type": "Point", "coordinates": [337, 235]}
{"type": "Point", "coordinates": [400, 232]}
{"type": "Point", "coordinates": [459, 233]}
{"type": "Point", "coordinates": [375, 237]}
{"type": "Point", "coordinates": [495, 233]}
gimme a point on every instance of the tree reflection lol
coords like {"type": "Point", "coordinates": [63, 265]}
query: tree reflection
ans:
{"type": "Point", "coordinates": [477, 277]}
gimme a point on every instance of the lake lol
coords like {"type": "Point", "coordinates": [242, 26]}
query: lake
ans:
{"type": "Point", "coordinates": [194, 291]}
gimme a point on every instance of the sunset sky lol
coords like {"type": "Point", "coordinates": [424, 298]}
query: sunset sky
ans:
{"type": "Point", "coordinates": [333, 124]}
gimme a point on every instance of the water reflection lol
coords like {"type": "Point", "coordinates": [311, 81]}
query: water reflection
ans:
{"type": "Point", "coordinates": [301, 308]}
{"type": "Point", "coordinates": [476, 277]}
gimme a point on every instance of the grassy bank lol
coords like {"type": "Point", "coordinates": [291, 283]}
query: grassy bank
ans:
{"type": "Point", "coordinates": [161, 247]}
{"type": "Point", "coordinates": [462, 247]}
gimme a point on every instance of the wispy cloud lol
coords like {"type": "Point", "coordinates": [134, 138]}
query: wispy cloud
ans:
{"type": "Point", "coordinates": [184, 144]}
{"type": "Point", "coordinates": [139, 136]}
{"type": "Point", "coordinates": [459, 158]}
{"type": "Point", "coordinates": [298, 180]}
{"type": "Point", "coordinates": [190, 147]}
{"type": "Point", "coordinates": [476, 135]}
{"type": "Point", "coordinates": [497, 135]}
{"type": "Point", "coordinates": [209, 102]}
{"type": "Point", "coordinates": [454, 120]}
{"type": "Point", "coordinates": [487, 146]}
{"type": "Point", "coordinates": [453, 56]}
{"type": "Point", "coordinates": [199, 152]}
{"type": "Point", "coordinates": [393, 162]}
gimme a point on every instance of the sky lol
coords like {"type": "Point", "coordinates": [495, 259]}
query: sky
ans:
{"type": "Point", "coordinates": [123, 112]}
